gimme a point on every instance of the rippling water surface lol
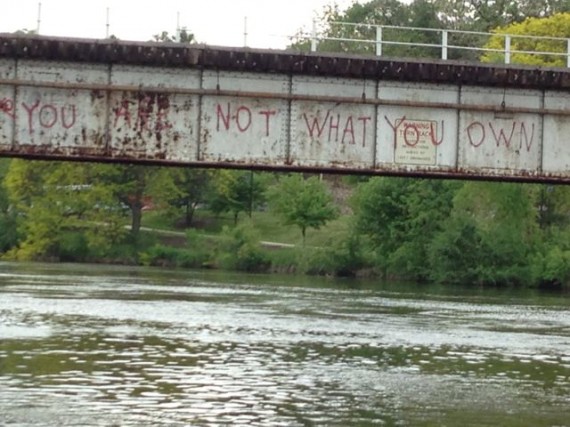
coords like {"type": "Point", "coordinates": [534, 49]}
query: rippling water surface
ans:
{"type": "Point", "coordinates": [96, 346]}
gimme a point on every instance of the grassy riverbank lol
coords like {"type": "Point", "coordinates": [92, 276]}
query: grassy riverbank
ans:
{"type": "Point", "coordinates": [261, 243]}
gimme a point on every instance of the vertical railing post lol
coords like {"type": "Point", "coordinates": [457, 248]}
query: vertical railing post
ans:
{"type": "Point", "coordinates": [568, 53]}
{"type": "Point", "coordinates": [444, 44]}
{"type": "Point", "coordinates": [507, 49]}
{"type": "Point", "coordinates": [314, 40]}
{"type": "Point", "coordinates": [39, 17]}
{"type": "Point", "coordinates": [245, 31]}
{"type": "Point", "coordinates": [378, 40]}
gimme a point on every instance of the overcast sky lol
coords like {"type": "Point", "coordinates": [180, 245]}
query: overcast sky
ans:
{"type": "Point", "coordinates": [216, 22]}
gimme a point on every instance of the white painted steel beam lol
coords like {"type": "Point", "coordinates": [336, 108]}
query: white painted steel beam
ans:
{"type": "Point", "coordinates": [211, 118]}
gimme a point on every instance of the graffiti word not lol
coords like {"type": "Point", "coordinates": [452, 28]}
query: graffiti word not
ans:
{"type": "Point", "coordinates": [243, 118]}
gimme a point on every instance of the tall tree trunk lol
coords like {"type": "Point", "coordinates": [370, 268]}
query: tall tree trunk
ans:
{"type": "Point", "coordinates": [136, 218]}
{"type": "Point", "coordinates": [190, 208]}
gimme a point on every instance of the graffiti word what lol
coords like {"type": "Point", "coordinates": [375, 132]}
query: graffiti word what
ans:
{"type": "Point", "coordinates": [243, 118]}
{"type": "Point", "coordinates": [346, 129]}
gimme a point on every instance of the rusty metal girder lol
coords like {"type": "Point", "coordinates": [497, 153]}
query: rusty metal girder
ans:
{"type": "Point", "coordinates": [171, 104]}
{"type": "Point", "coordinates": [285, 62]}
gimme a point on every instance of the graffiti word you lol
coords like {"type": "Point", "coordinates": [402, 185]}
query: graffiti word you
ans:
{"type": "Point", "coordinates": [478, 133]}
{"type": "Point", "coordinates": [242, 118]}
{"type": "Point", "coordinates": [413, 131]}
{"type": "Point", "coordinates": [42, 115]}
{"type": "Point", "coordinates": [338, 127]}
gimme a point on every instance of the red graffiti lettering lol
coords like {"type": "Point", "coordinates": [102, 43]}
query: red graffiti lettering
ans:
{"type": "Point", "coordinates": [411, 131]}
{"type": "Point", "coordinates": [162, 120]}
{"type": "Point", "coordinates": [267, 114]}
{"type": "Point", "coordinates": [433, 132]}
{"type": "Point", "coordinates": [148, 109]}
{"type": "Point", "coordinates": [364, 121]}
{"type": "Point", "coordinates": [225, 118]}
{"type": "Point", "coordinates": [502, 135]}
{"type": "Point", "coordinates": [528, 143]}
{"type": "Point", "coordinates": [7, 107]}
{"type": "Point", "coordinates": [339, 127]}
{"type": "Point", "coordinates": [30, 110]}
{"type": "Point", "coordinates": [123, 111]}
{"type": "Point", "coordinates": [48, 116]}
{"type": "Point", "coordinates": [349, 130]}
{"type": "Point", "coordinates": [316, 125]}
{"type": "Point", "coordinates": [144, 112]}
{"type": "Point", "coordinates": [68, 124]}
{"type": "Point", "coordinates": [471, 129]}
{"type": "Point", "coordinates": [399, 123]}
{"type": "Point", "coordinates": [244, 118]}
{"type": "Point", "coordinates": [333, 127]}
{"type": "Point", "coordinates": [45, 115]}
{"type": "Point", "coordinates": [241, 112]}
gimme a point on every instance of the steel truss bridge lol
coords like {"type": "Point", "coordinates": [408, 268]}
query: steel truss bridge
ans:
{"type": "Point", "coordinates": [203, 106]}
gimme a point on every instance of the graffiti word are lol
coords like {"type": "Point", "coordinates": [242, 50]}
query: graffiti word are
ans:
{"type": "Point", "coordinates": [42, 115]}
{"type": "Point", "coordinates": [346, 129]}
{"type": "Point", "coordinates": [478, 133]}
{"type": "Point", "coordinates": [144, 111]}
{"type": "Point", "coordinates": [242, 118]}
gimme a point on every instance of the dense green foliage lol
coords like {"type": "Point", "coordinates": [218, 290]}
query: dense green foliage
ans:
{"type": "Point", "coordinates": [236, 192]}
{"type": "Point", "coordinates": [303, 202]}
{"type": "Point", "coordinates": [399, 228]}
{"type": "Point", "coordinates": [555, 26]}
{"type": "Point", "coordinates": [518, 16]}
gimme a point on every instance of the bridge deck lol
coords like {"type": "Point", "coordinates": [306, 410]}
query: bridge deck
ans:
{"type": "Point", "coordinates": [277, 61]}
{"type": "Point", "coordinates": [204, 106]}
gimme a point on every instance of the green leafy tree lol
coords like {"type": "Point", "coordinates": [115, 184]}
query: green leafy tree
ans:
{"type": "Point", "coordinates": [8, 217]}
{"type": "Point", "coordinates": [305, 203]}
{"type": "Point", "coordinates": [132, 188]}
{"type": "Point", "coordinates": [400, 217]}
{"type": "Point", "coordinates": [557, 26]}
{"type": "Point", "coordinates": [485, 15]}
{"type": "Point", "coordinates": [52, 199]}
{"type": "Point", "coordinates": [419, 13]}
{"type": "Point", "coordinates": [182, 36]}
{"type": "Point", "coordinates": [236, 192]}
{"type": "Point", "coordinates": [181, 189]}
{"type": "Point", "coordinates": [491, 237]}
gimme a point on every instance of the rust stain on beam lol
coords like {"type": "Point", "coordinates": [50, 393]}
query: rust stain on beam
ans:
{"type": "Point", "coordinates": [279, 61]}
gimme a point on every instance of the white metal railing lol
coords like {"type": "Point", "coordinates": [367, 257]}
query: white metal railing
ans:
{"type": "Point", "coordinates": [376, 36]}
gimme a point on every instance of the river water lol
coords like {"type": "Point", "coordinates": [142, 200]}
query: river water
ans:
{"type": "Point", "coordinates": [103, 346]}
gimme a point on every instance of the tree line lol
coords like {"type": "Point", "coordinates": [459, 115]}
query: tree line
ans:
{"type": "Point", "coordinates": [396, 228]}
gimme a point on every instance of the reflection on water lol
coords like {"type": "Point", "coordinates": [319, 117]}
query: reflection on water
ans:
{"type": "Point", "coordinates": [130, 347]}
